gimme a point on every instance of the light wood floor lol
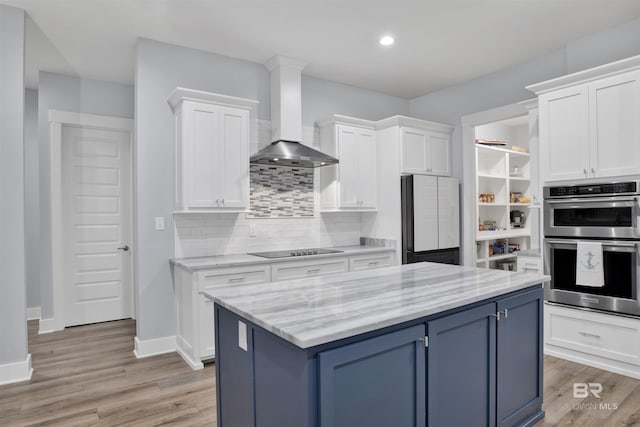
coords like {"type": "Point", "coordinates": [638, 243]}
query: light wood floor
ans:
{"type": "Point", "coordinates": [88, 375]}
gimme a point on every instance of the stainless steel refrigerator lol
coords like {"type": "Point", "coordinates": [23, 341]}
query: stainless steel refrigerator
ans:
{"type": "Point", "coordinates": [430, 219]}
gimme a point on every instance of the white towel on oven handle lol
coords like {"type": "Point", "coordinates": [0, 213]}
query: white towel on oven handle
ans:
{"type": "Point", "coordinates": [589, 269]}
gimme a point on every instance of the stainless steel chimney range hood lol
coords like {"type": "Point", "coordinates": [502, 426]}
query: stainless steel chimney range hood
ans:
{"type": "Point", "coordinates": [286, 118]}
{"type": "Point", "coordinates": [292, 154]}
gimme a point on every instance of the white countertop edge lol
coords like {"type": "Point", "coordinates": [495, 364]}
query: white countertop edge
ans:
{"type": "Point", "coordinates": [351, 332]}
{"type": "Point", "coordinates": [219, 262]}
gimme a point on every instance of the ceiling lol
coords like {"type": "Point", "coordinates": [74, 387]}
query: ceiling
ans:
{"type": "Point", "coordinates": [439, 43]}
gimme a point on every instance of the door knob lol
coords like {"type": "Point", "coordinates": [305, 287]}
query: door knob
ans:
{"type": "Point", "coordinates": [124, 248]}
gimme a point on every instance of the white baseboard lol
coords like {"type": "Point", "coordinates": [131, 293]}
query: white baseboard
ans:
{"type": "Point", "coordinates": [50, 325]}
{"type": "Point", "coordinates": [185, 351]}
{"type": "Point", "coordinates": [615, 366]}
{"type": "Point", "coordinates": [16, 372]}
{"type": "Point", "coordinates": [154, 347]}
{"type": "Point", "coordinates": [33, 313]}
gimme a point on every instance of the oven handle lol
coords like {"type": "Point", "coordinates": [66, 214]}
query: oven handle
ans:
{"type": "Point", "coordinates": [604, 202]}
{"type": "Point", "coordinates": [593, 199]}
{"type": "Point", "coordinates": [604, 243]}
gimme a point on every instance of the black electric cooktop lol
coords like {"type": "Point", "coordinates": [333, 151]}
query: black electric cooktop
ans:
{"type": "Point", "coordinates": [295, 252]}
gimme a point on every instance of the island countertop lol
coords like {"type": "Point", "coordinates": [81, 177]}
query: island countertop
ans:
{"type": "Point", "coordinates": [314, 311]}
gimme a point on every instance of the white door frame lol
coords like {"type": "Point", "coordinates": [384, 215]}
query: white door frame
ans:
{"type": "Point", "coordinates": [469, 122]}
{"type": "Point", "coordinates": [57, 120]}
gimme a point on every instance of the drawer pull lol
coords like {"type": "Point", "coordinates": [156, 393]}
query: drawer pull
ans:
{"type": "Point", "coordinates": [586, 334]}
{"type": "Point", "coordinates": [374, 263]}
{"type": "Point", "coordinates": [236, 279]}
{"type": "Point", "coordinates": [313, 271]}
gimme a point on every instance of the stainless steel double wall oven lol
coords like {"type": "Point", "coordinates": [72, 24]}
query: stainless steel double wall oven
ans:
{"type": "Point", "coordinates": [607, 213]}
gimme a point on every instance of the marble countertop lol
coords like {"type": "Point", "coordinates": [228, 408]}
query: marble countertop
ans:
{"type": "Point", "coordinates": [310, 312]}
{"type": "Point", "coordinates": [199, 263]}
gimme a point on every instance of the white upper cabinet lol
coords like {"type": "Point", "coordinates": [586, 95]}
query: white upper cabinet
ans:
{"type": "Point", "coordinates": [212, 151]}
{"type": "Point", "coordinates": [352, 183]}
{"type": "Point", "coordinates": [564, 126]}
{"type": "Point", "coordinates": [590, 123]}
{"type": "Point", "coordinates": [426, 152]}
{"type": "Point", "coordinates": [614, 118]}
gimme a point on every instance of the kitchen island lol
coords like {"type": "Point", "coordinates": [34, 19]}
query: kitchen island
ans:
{"type": "Point", "coordinates": [411, 345]}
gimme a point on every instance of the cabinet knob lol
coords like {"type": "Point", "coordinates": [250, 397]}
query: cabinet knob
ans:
{"type": "Point", "coordinates": [217, 202]}
{"type": "Point", "coordinates": [585, 172]}
{"type": "Point", "coordinates": [223, 201]}
{"type": "Point", "coordinates": [593, 171]}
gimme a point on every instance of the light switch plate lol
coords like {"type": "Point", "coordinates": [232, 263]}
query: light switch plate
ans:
{"type": "Point", "coordinates": [242, 335]}
{"type": "Point", "coordinates": [159, 223]}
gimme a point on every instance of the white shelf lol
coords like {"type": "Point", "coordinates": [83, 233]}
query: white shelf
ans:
{"type": "Point", "coordinates": [502, 234]}
{"type": "Point", "coordinates": [520, 204]}
{"type": "Point", "coordinates": [519, 178]}
{"type": "Point", "coordinates": [497, 257]}
{"type": "Point", "coordinates": [503, 150]}
{"type": "Point", "coordinates": [490, 176]}
{"type": "Point", "coordinates": [500, 205]}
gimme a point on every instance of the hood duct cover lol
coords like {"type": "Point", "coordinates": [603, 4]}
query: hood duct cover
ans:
{"type": "Point", "coordinates": [292, 154]}
{"type": "Point", "coordinates": [286, 116]}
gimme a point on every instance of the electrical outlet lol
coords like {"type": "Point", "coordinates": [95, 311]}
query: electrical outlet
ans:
{"type": "Point", "coordinates": [242, 335]}
{"type": "Point", "coordinates": [159, 223]}
{"type": "Point", "coordinates": [252, 230]}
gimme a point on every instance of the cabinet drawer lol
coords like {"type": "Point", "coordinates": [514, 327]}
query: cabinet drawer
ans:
{"type": "Point", "coordinates": [529, 264]}
{"type": "Point", "coordinates": [365, 262]}
{"type": "Point", "coordinates": [600, 334]}
{"type": "Point", "coordinates": [233, 276]}
{"type": "Point", "coordinates": [296, 270]}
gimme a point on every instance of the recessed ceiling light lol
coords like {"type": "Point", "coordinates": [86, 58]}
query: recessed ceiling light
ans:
{"type": "Point", "coordinates": [275, 160]}
{"type": "Point", "coordinates": [386, 41]}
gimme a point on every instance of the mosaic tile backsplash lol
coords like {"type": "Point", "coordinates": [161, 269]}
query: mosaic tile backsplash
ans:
{"type": "Point", "coordinates": [280, 192]}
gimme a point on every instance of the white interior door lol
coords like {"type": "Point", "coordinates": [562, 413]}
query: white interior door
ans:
{"type": "Point", "coordinates": [96, 200]}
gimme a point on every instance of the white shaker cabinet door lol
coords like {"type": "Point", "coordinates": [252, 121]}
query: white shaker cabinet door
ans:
{"type": "Point", "coordinates": [425, 213]}
{"type": "Point", "coordinates": [202, 130]}
{"type": "Point", "coordinates": [233, 163]}
{"type": "Point", "coordinates": [367, 169]}
{"type": "Point", "coordinates": [564, 136]}
{"type": "Point", "coordinates": [414, 151]}
{"type": "Point", "coordinates": [347, 137]}
{"type": "Point", "coordinates": [614, 105]}
{"type": "Point", "coordinates": [439, 147]}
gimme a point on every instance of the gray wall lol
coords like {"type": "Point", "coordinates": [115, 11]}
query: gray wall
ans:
{"type": "Point", "coordinates": [508, 86]}
{"type": "Point", "coordinates": [13, 325]}
{"type": "Point", "coordinates": [31, 202]}
{"type": "Point", "coordinates": [160, 68]}
{"type": "Point", "coordinates": [323, 98]}
{"type": "Point", "coordinates": [66, 93]}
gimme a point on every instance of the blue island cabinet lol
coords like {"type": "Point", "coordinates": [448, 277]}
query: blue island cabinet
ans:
{"type": "Point", "coordinates": [485, 364]}
{"type": "Point", "coordinates": [477, 365]}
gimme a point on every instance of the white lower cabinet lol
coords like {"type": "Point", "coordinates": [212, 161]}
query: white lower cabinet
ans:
{"type": "Point", "coordinates": [529, 264]}
{"type": "Point", "coordinates": [195, 340]}
{"type": "Point", "coordinates": [603, 340]}
{"type": "Point", "coordinates": [298, 269]}
{"type": "Point", "coordinates": [369, 261]}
